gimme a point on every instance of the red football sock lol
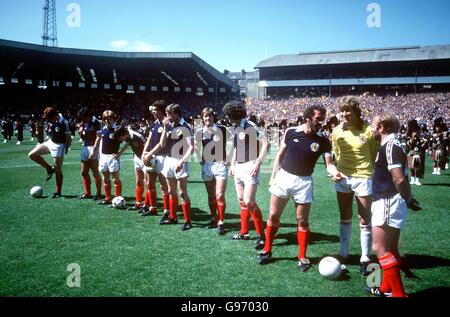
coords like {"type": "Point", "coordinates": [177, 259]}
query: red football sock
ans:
{"type": "Point", "coordinates": [245, 219]}
{"type": "Point", "coordinates": [257, 219]}
{"type": "Point", "coordinates": [139, 193]}
{"type": "Point", "coordinates": [118, 188]}
{"type": "Point", "coordinates": [153, 198]}
{"type": "Point", "coordinates": [271, 231]}
{"type": "Point", "coordinates": [87, 185]}
{"type": "Point", "coordinates": [166, 201]}
{"type": "Point", "coordinates": [221, 206]}
{"type": "Point", "coordinates": [173, 201]}
{"type": "Point", "coordinates": [212, 202]}
{"type": "Point", "coordinates": [302, 237]}
{"type": "Point", "coordinates": [147, 197]}
{"type": "Point", "coordinates": [107, 191]}
{"type": "Point", "coordinates": [186, 206]}
{"type": "Point", "coordinates": [391, 270]}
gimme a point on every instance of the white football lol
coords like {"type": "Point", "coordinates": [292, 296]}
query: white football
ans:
{"type": "Point", "coordinates": [330, 268]}
{"type": "Point", "coordinates": [36, 191]}
{"type": "Point", "coordinates": [119, 202]}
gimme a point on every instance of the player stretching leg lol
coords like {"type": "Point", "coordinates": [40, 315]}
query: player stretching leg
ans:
{"type": "Point", "coordinates": [57, 146]}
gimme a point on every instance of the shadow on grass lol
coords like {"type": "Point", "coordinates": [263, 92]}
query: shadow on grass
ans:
{"type": "Point", "coordinates": [314, 238]}
{"type": "Point", "coordinates": [417, 261]}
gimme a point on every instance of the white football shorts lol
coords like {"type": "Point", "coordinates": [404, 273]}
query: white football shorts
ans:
{"type": "Point", "coordinates": [108, 163]}
{"type": "Point", "coordinates": [391, 211]}
{"type": "Point", "coordinates": [358, 185]}
{"type": "Point", "coordinates": [242, 173]}
{"type": "Point", "coordinates": [288, 185]}
{"type": "Point", "coordinates": [56, 149]}
{"type": "Point", "coordinates": [170, 164]}
{"type": "Point", "coordinates": [214, 170]}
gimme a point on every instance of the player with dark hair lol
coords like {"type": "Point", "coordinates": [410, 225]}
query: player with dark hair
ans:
{"type": "Point", "coordinates": [391, 200]}
{"type": "Point", "coordinates": [109, 163]}
{"type": "Point", "coordinates": [291, 178]}
{"type": "Point", "coordinates": [250, 149]}
{"type": "Point", "coordinates": [88, 125]}
{"type": "Point", "coordinates": [210, 146]}
{"type": "Point", "coordinates": [153, 156]}
{"type": "Point", "coordinates": [57, 145]}
{"type": "Point", "coordinates": [355, 149]}
{"type": "Point", "coordinates": [178, 136]}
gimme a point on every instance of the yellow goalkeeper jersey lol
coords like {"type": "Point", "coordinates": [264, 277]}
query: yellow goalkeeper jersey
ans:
{"type": "Point", "coordinates": [355, 150]}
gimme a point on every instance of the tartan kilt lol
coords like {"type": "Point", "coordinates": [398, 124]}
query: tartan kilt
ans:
{"type": "Point", "coordinates": [414, 161]}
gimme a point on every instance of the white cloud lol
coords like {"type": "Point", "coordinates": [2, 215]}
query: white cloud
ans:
{"type": "Point", "coordinates": [141, 46]}
{"type": "Point", "coordinates": [119, 44]}
{"type": "Point", "coordinates": [136, 46]}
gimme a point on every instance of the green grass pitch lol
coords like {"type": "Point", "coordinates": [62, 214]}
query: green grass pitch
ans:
{"type": "Point", "coordinates": [121, 253]}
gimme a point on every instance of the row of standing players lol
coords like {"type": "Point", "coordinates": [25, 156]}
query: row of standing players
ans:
{"type": "Point", "coordinates": [383, 197]}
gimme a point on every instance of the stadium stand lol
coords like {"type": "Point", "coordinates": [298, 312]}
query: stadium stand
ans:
{"type": "Point", "coordinates": [32, 76]}
{"type": "Point", "coordinates": [384, 71]}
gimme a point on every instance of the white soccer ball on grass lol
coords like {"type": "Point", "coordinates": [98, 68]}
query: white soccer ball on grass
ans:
{"type": "Point", "coordinates": [330, 268]}
{"type": "Point", "coordinates": [119, 202]}
{"type": "Point", "coordinates": [36, 191]}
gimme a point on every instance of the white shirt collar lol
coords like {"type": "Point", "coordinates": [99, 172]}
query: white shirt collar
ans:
{"type": "Point", "coordinates": [389, 137]}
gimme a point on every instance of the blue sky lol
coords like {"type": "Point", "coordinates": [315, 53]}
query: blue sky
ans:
{"type": "Point", "coordinates": [232, 34]}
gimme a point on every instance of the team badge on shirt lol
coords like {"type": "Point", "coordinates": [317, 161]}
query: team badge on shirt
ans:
{"type": "Point", "coordinates": [111, 136]}
{"type": "Point", "coordinates": [160, 129]}
{"type": "Point", "coordinates": [57, 129]}
{"type": "Point", "coordinates": [362, 139]}
{"type": "Point", "coordinates": [315, 147]}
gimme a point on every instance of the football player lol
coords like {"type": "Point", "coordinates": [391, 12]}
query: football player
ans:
{"type": "Point", "coordinates": [88, 125]}
{"type": "Point", "coordinates": [249, 150]}
{"type": "Point", "coordinates": [57, 145]}
{"type": "Point", "coordinates": [136, 140]}
{"type": "Point", "coordinates": [391, 200]}
{"type": "Point", "coordinates": [153, 156]}
{"type": "Point", "coordinates": [291, 178]}
{"type": "Point", "coordinates": [178, 136]}
{"type": "Point", "coordinates": [355, 149]}
{"type": "Point", "coordinates": [109, 163]}
{"type": "Point", "coordinates": [210, 147]}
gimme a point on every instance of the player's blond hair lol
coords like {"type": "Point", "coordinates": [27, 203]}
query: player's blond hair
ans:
{"type": "Point", "coordinates": [389, 121]}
